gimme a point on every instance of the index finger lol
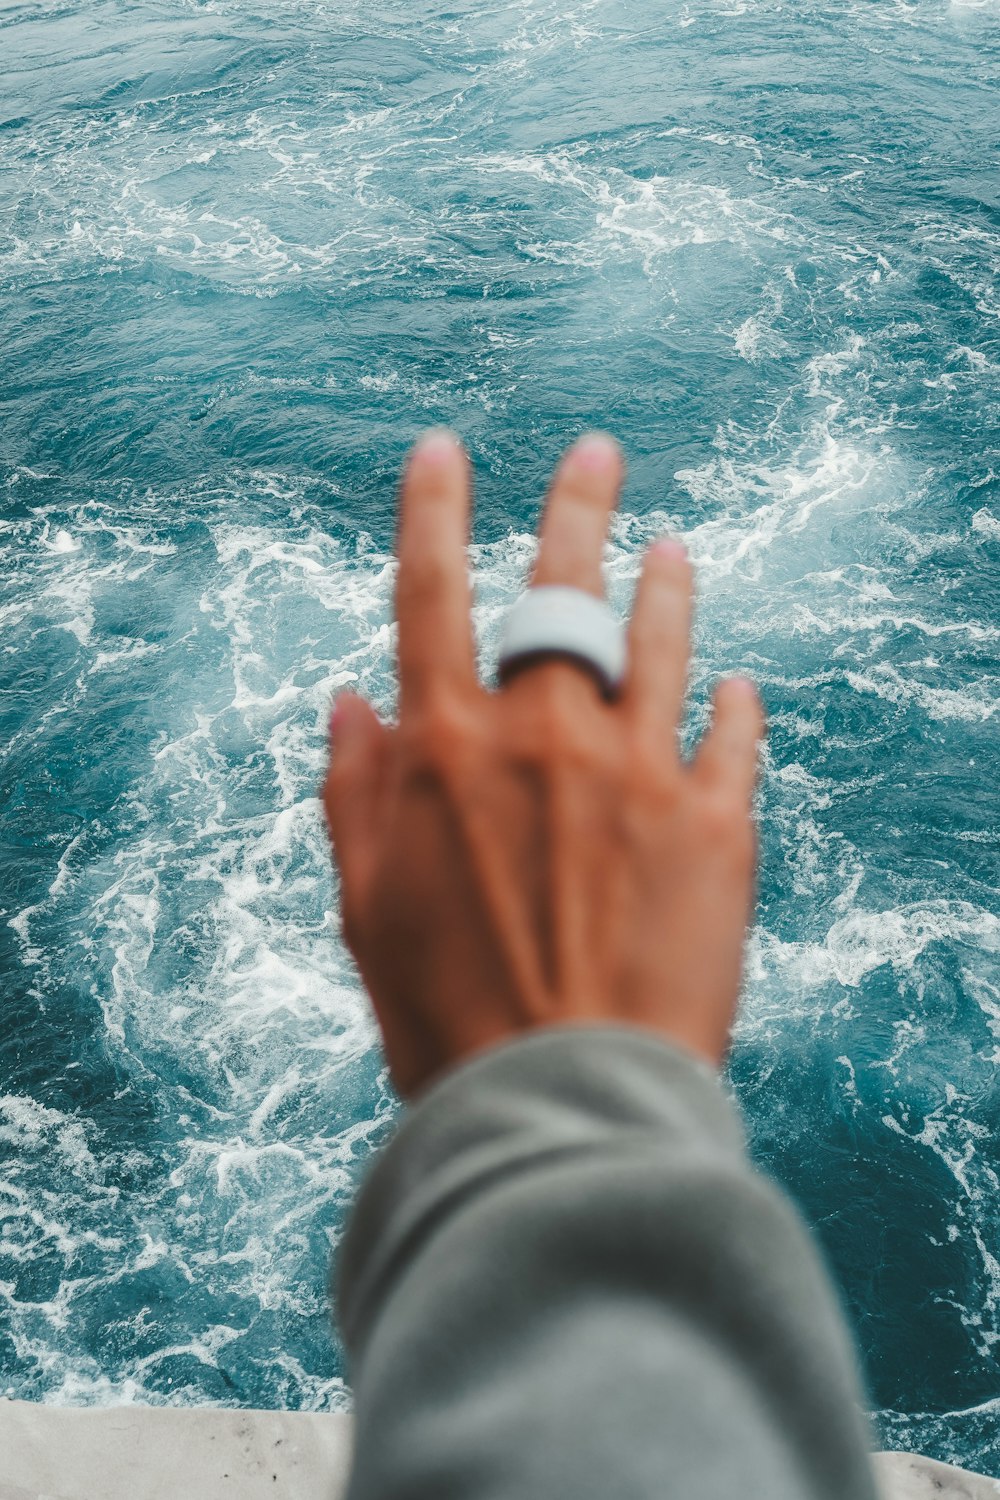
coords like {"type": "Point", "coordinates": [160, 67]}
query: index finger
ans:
{"type": "Point", "coordinates": [433, 598]}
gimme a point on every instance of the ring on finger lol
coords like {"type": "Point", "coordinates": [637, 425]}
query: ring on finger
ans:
{"type": "Point", "coordinates": [555, 620]}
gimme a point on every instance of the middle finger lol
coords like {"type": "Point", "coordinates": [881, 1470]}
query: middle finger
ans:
{"type": "Point", "coordinates": [574, 524]}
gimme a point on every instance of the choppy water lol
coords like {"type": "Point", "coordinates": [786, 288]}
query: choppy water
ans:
{"type": "Point", "coordinates": [248, 249]}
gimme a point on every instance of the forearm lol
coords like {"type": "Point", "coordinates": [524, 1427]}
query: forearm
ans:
{"type": "Point", "coordinates": [564, 1278]}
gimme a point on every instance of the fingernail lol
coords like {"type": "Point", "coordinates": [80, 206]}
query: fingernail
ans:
{"type": "Point", "coordinates": [596, 451]}
{"type": "Point", "coordinates": [670, 549]}
{"type": "Point", "coordinates": [745, 686]}
{"type": "Point", "coordinates": [436, 444]}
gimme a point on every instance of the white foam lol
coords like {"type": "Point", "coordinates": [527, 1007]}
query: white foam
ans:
{"type": "Point", "coordinates": [976, 704]}
{"type": "Point", "coordinates": [755, 340]}
{"type": "Point", "coordinates": [986, 523]}
{"type": "Point", "coordinates": [28, 1125]}
{"type": "Point", "coordinates": [862, 941]}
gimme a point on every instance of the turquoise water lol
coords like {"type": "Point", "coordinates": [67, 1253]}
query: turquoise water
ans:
{"type": "Point", "coordinates": [247, 251]}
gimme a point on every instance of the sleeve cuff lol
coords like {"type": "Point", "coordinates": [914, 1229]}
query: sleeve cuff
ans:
{"type": "Point", "coordinates": [555, 1090]}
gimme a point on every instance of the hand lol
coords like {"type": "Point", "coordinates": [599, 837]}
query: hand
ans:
{"type": "Point", "coordinates": [538, 855]}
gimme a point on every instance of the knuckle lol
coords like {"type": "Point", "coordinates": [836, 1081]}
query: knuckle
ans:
{"type": "Point", "coordinates": [565, 734]}
{"type": "Point", "coordinates": [422, 582]}
{"type": "Point", "coordinates": [655, 765]}
{"type": "Point", "coordinates": [719, 816]}
{"type": "Point", "coordinates": [727, 827]}
{"type": "Point", "coordinates": [602, 755]}
{"type": "Point", "coordinates": [554, 724]}
{"type": "Point", "coordinates": [442, 732]}
{"type": "Point", "coordinates": [581, 491]}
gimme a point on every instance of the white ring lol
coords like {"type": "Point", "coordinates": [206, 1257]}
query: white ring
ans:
{"type": "Point", "coordinates": [569, 622]}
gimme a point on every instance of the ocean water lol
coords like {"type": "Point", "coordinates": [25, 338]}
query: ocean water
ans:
{"type": "Point", "coordinates": [248, 249]}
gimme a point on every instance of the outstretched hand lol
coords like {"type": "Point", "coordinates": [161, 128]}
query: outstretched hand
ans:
{"type": "Point", "coordinates": [538, 855]}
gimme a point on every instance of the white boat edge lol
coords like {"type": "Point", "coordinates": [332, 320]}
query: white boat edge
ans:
{"type": "Point", "coordinates": [212, 1453]}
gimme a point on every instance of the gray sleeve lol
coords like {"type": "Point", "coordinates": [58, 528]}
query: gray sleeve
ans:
{"type": "Point", "coordinates": [564, 1279]}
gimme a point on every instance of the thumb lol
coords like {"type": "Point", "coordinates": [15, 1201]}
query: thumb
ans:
{"type": "Point", "coordinates": [359, 747]}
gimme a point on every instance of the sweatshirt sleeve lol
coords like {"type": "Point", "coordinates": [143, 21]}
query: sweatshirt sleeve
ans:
{"type": "Point", "coordinates": [563, 1278]}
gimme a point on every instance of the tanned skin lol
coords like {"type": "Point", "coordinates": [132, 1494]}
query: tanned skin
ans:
{"type": "Point", "coordinates": [537, 855]}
